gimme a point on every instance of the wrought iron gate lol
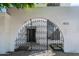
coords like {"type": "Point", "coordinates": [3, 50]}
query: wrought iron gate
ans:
{"type": "Point", "coordinates": [38, 34]}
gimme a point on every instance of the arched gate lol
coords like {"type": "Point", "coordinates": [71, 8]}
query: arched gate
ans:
{"type": "Point", "coordinates": [38, 34]}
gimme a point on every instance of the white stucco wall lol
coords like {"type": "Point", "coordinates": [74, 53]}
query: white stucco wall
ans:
{"type": "Point", "coordinates": [57, 15]}
{"type": "Point", "coordinates": [2, 29]}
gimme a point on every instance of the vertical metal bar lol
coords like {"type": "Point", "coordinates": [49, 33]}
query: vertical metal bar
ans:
{"type": "Point", "coordinates": [31, 31]}
{"type": "Point", "coordinates": [30, 22]}
{"type": "Point", "coordinates": [47, 34]}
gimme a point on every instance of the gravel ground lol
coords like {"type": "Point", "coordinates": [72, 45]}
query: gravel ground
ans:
{"type": "Point", "coordinates": [20, 53]}
{"type": "Point", "coordinates": [27, 53]}
{"type": "Point", "coordinates": [44, 53]}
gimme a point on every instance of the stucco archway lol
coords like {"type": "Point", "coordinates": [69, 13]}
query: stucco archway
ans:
{"type": "Point", "coordinates": [46, 34]}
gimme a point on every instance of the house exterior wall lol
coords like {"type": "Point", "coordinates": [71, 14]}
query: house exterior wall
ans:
{"type": "Point", "coordinates": [2, 29]}
{"type": "Point", "coordinates": [66, 18]}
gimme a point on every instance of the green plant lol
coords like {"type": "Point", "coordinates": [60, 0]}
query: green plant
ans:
{"type": "Point", "coordinates": [17, 5]}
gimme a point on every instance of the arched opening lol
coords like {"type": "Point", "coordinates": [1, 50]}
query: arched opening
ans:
{"type": "Point", "coordinates": [39, 34]}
